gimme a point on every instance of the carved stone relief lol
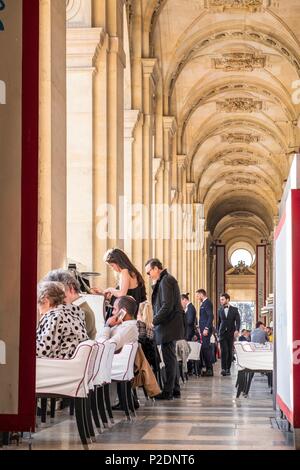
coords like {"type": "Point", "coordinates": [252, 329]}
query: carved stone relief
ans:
{"type": "Point", "coordinates": [249, 5]}
{"type": "Point", "coordinates": [236, 105]}
{"type": "Point", "coordinates": [241, 180]}
{"type": "Point", "coordinates": [238, 137]}
{"type": "Point", "coordinates": [239, 62]}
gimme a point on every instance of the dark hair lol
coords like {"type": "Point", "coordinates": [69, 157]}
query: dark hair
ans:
{"type": "Point", "coordinates": [227, 296]}
{"type": "Point", "coordinates": [154, 262]}
{"type": "Point", "coordinates": [185, 296]}
{"type": "Point", "coordinates": [259, 323]}
{"type": "Point", "coordinates": [201, 291]}
{"type": "Point", "coordinates": [63, 276]}
{"type": "Point", "coordinates": [129, 304]}
{"type": "Point", "coordinates": [115, 255]}
{"type": "Point", "coordinates": [243, 331]}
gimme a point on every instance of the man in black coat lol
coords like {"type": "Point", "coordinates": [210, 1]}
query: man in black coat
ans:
{"type": "Point", "coordinates": [168, 320]}
{"type": "Point", "coordinates": [229, 322]}
{"type": "Point", "coordinates": [190, 317]}
{"type": "Point", "coordinates": [206, 324]}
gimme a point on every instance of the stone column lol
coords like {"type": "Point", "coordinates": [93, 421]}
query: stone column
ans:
{"type": "Point", "coordinates": [169, 128]}
{"type": "Point", "coordinates": [190, 245]}
{"type": "Point", "coordinates": [131, 119]}
{"type": "Point", "coordinates": [82, 46]}
{"type": "Point", "coordinates": [109, 135]}
{"type": "Point", "coordinates": [52, 141]}
{"type": "Point", "coordinates": [181, 172]}
{"type": "Point", "coordinates": [150, 79]}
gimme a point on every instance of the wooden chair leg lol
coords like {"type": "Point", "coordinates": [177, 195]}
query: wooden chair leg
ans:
{"type": "Point", "coordinates": [130, 397]}
{"type": "Point", "coordinates": [108, 404]}
{"type": "Point", "coordinates": [52, 407]}
{"type": "Point", "coordinates": [87, 431]}
{"type": "Point", "coordinates": [80, 412]}
{"type": "Point", "coordinates": [44, 402]}
{"type": "Point", "coordinates": [72, 407]}
{"type": "Point", "coordinates": [89, 417]}
{"type": "Point", "coordinates": [101, 406]}
{"type": "Point", "coordinates": [95, 413]}
{"type": "Point", "coordinates": [123, 397]}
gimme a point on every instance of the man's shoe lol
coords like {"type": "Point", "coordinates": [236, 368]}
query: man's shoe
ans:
{"type": "Point", "coordinates": [176, 394]}
{"type": "Point", "coordinates": [117, 407]}
{"type": "Point", "coordinates": [207, 373]}
{"type": "Point", "coordinates": [228, 372]}
{"type": "Point", "coordinates": [163, 396]}
{"type": "Point", "coordinates": [223, 372]}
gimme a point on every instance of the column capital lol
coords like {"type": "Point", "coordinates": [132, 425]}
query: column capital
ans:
{"type": "Point", "coordinates": [150, 67]}
{"type": "Point", "coordinates": [83, 46]}
{"type": "Point", "coordinates": [170, 124]}
{"type": "Point", "coordinates": [181, 161]}
{"type": "Point", "coordinates": [190, 188]}
{"type": "Point", "coordinates": [131, 119]}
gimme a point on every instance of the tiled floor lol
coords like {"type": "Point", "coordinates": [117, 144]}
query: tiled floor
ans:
{"type": "Point", "coordinates": [208, 416]}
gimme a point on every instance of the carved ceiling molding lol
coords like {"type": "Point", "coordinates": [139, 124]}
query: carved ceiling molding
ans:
{"type": "Point", "coordinates": [240, 104]}
{"type": "Point", "coordinates": [239, 62]}
{"type": "Point", "coordinates": [247, 34]}
{"type": "Point", "coordinates": [234, 87]}
{"type": "Point", "coordinates": [240, 180]}
{"type": "Point", "coordinates": [251, 6]}
{"type": "Point", "coordinates": [240, 162]}
{"type": "Point", "coordinates": [239, 137]}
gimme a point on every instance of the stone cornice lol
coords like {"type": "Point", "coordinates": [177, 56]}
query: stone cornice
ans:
{"type": "Point", "coordinates": [83, 45]}
{"type": "Point", "coordinates": [150, 67]}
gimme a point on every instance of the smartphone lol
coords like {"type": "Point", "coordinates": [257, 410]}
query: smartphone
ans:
{"type": "Point", "coordinates": [121, 314]}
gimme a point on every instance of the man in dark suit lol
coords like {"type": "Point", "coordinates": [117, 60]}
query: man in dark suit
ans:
{"type": "Point", "coordinates": [229, 322]}
{"type": "Point", "coordinates": [190, 317]}
{"type": "Point", "coordinates": [168, 320]}
{"type": "Point", "coordinates": [206, 324]}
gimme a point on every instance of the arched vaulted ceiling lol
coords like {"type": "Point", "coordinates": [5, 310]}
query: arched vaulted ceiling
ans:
{"type": "Point", "coordinates": [228, 69]}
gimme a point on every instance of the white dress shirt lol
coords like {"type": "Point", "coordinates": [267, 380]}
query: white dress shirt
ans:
{"type": "Point", "coordinates": [125, 333]}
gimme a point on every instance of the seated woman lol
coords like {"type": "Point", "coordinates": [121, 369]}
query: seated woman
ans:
{"type": "Point", "coordinates": [61, 327]}
{"type": "Point", "coordinates": [146, 335]}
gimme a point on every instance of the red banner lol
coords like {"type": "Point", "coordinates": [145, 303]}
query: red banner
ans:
{"type": "Point", "coordinates": [19, 84]}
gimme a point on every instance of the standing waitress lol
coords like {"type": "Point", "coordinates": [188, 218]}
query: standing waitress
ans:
{"type": "Point", "coordinates": [130, 280]}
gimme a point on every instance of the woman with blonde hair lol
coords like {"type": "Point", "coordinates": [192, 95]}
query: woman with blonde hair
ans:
{"type": "Point", "coordinates": [145, 321]}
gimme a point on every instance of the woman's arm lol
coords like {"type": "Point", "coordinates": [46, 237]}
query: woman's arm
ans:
{"type": "Point", "coordinates": [124, 285]}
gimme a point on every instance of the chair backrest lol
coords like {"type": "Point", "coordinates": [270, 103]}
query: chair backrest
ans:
{"type": "Point", "coordinates": [195, 351]}
{"type": "Point", "coordinates": [94, 363]}
{"type": "Point", "coordinates": [253, 359]}
{"type": "Point", "coordinates": [97, 304]}
{"type": "Point", "coordinates": [103, 372]}
{"type": "Point", "coordinates": [65, 377]}
{"type": "Point", "coordinates": [123, 363]}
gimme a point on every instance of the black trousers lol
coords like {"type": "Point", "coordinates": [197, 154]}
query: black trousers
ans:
{"type": "Point", "coordinates": [226, 344]}
{"type": "Point", "coordinates": [171, 366]}
{"type": "Point", "coordinates": [206, 351]}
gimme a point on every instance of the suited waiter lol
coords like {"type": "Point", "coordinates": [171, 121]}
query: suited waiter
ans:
{"type": "Point", "coordinates": [190, 317]}
{"type": "Point", "coordinates": [229, 322]}
{"type": "Point", "coordinates": [206, 325]}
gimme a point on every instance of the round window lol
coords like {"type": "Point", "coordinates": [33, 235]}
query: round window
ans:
{"type": "Point", "coordinates": [241, 255]}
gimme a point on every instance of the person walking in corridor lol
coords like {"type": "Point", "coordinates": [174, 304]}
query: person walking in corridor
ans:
{"type": "Point", "coordinates": [206, 324]}
{"type": "Point", "coordinates": [168, 321]}
{"type": "Point", "coordinates": [229, 322]}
